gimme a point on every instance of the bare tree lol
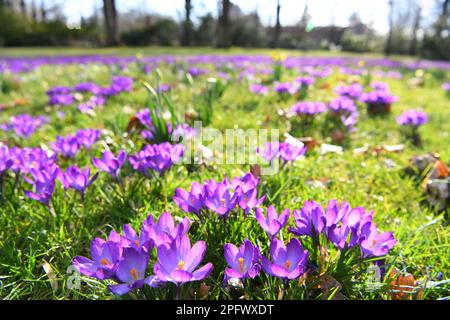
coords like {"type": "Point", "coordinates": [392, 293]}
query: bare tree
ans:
{"type": "Point", "coordinates": [388, 47]}
{"type": "Point", "coordinates": [224, 28]}
{"type": "Point", "coordinates": [277, 30]}
{"type": "Point", "coordinates": [33, 11]}
{"type": "Point", "coordinates": [187, 28]}
{"type": "Point", "coordinates": [413, 45]}
{"type": "Point", "coordinates": [43, 12]}
{"type": "Point", "coordinates": [23, 7]}
{"type": "Point", "coordinates": [111, 26]}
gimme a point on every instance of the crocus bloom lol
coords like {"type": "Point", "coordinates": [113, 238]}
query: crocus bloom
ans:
{"type": "Point", "coordinates": [272, 223]}
{"type": "Point", "coordinates": [164, 231]}
{"type": "Point", "coordinates": [109, 163]}
{"type": "Point", "coordinates": [5, 159]}
{"type": "Point", "coordinates": [43, 179]}
{"type": "Point", "coordinates": [243, 262]}
{"type": "Point", "coordinates": [61, 99]}
{"type": "Point", "coordinates": [178, 262]}
{"type": "Point", "coordinates": [307, 108]}
{"type": "Point", "coordinates": [105, 256]}
{"type": "Point", "coordinates": [67, 146]}
{"type": "Point", "coordinates": [219, 199]}
{"type": "Point", "coordinates": [130, 239]}
{"type": "Point", "coordinates": [76, 178]}
{"type": "Point", "coordinates": [288, 262]}
{"type": "Point", "coordinates": [374, 243]}
{"type": "Point", "coordinates": [310, 220]}
{"type": "Point", "coordinates": [191, 201]}
{"type": "Point", "coordinates": [412, 118]}
{"type": "Point", "coordinates": [158, 157]}
{"type": "Point", "coordinates": [259, 89]}
{"type": "Point", "coordinates": [87, 137]}
{"type": "Point", "coordinates": [24, 125]}
{"type": "Point", "coordinates": [88, 87]}
{"type": "Point", "coordinates": [352, 91]}
{"type": "Point", "coordinates": [286, 88]}
{"type": "Point", "coordinates": [58, 90]}
{"type": "Point", "coordinates": [247, 195]}
{"type": "Point", "coordinates": [131, 271]}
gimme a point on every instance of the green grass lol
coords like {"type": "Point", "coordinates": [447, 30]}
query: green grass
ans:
{"type": "Point", "coordinates": [30, 237]}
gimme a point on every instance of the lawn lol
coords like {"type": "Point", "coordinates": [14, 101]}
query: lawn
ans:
{"type": "Point", "coordinates": [38, 241]}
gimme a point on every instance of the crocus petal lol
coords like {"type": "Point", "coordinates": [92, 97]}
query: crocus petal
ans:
{"type": "Point", "coordinates": [120, 289]}
{"type": "Point", "coordinates": [203, 272]}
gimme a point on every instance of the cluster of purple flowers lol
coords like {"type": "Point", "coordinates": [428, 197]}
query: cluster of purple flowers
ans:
{"type": "Point", "coordinates": [307, 108]}
{"type": "Point", "coordinates": [124, 257]}
{"type": "Point", "coordinates": [157, 157]}
{"type": "Point", "coordinates": [286, 151]}
{"type": "Point", "coordinates": [64, 95]}
{"type": "Point", "coordinates": [286, 88]}
{"type": "Point", "coordinates": [24, 125]}
{"type": "Point", "coordinates": [379, 96]}
{"type": "Point", "coordinates": [412, 118]}
{"type": "Point", "coordinates": [346, 109]}
{"type": "Point", "coordinates": [352, 91]}
{"type": "Point", "coordinates": [220, 197]}
{"type": "Point", "coordinates": [343, 226]}
{"type": "Point", "coordinates": [69, 146]}
{"type": "Point", "coordinates": [259, 89]}
{"type": "Point", "coordinates": [60, 95]}
{"type": "Point", "coordinates": [110, 163]}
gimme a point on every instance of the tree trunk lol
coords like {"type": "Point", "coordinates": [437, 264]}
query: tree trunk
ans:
{"type": "Point", "coordinates": [23, 7]}
{"type": "Point", "coordinates": [187, 28]}
{"type": "Point", "coordinates": [413, 45]}
{"type": "Point", "coordinates": [224, 32]}
{"type": "Point", "coordinates": [388, 47]}
{"type": "Point", "coordinates": [110, 14]}
{"type": "Point", "coordinates": [277, 30]}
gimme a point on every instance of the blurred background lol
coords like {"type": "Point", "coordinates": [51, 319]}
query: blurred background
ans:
{"type": "Point", "coordinates": [405, 27]}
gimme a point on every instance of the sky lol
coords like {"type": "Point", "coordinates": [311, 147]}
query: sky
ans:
{"type": "Point", "coordinates": [322, 11]}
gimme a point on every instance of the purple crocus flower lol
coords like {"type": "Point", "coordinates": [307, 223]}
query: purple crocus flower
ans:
{"type": "Point", "coordinates": [310, 220]}
{"type": "Point", "coordinates": [270, 152]}
{"type": "Point", "coordinates": [130, 239]}
{"type": "Point", "coordinates": [164, 231]}
{"type": "Point", "coordinates": [78, 179]}
{"type": "Point", "coordinates": [109, 163]}
{"type": "Point", "coordinates": [87, 137]}
{"type": "Point", "coordinates": [88, 87]}
{"type": "Point", "coordinates": [57, 90]}
{"type": "Point", "coordinates": [288, 262]}
{"type": "Point", "coordinates": [290, 152]}
{"type": "Point", "coordinates": [61, 99]}
{"type": "Point", "coordinates": [247, 193]}
{"type": "Point", "coordinates": [178, 262]}
{"type": "Point", "coordinates": [67, 146]}
{"type": "Point", "coordinates": [5, 159]}
{"type": "Point", "coordinates": [375, 244]}
{"type": "Point", "coordinates": [191, 201]}
{"type": "Point", "coordinates": [259, 89]}
{"type": "Point", "coordinates": [413, 118]}
{"type": "Point", "coordinates": [131, 271]}
{"type": "Point", "coordinates": [307, 108]}
{"type": "Point", "coordinates": [352, 91]}
{"type": "Point", "coordinates": [305, 81]}
{"type": "Point", "coordinates": [158, 157]}
{"type": "Point", "coordinates": [24, 125]}
{"type": "Point", "coordinates": [243, 262]}
{"type": "Point", "coordinates": [446, 86]}
{"type": "Point", "coordinates": [105, 257]}
{"type": "Point", "coordinates": [286, 88]}
{"type": "Point", "coordinates": [219, 199]}
{"type": "Point", "coordinates": [272, 223]}
{"type": "Point", "coordinates": [43, 179]}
